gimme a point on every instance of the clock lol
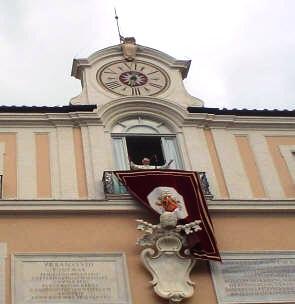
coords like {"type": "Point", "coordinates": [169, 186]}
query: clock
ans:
{"type": "Point", "coordinates": [136, 78]}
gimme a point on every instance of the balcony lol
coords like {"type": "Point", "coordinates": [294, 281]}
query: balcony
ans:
{"type": "Point", "coordinates": [113, 187]}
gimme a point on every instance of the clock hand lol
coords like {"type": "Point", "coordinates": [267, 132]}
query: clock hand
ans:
{"type": "Point", "coordinates": [131, 82]}
{"type": "Point", "coordinates": [132, 79]}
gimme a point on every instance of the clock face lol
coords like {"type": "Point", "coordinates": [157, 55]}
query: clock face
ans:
{"type": "Point", "coordinates": [136, 78]}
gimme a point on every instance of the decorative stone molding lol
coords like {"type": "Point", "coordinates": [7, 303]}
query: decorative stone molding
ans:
{"type": "Point", "coordinates": [158, 108]}
{"type": "Point", "coordinates": [29, 120]}
{"type": "Point", "coordinates": [124, 203]}
{"type": "Point", "coordinates": [80, 64]}
{"type": "Point", "coordinates": [170, 113]}
{"type": "Point", "coordinates": [167, 260]}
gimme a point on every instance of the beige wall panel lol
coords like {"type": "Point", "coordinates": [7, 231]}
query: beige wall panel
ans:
{"type": "Point", "coordinates": [266, 166]}
{"type": "Point", "coordinates": [43, 166]}
{"type": "Point", "coordinates": [106, 232]}
{"type": "Point", "coordinates": [274, 143]}
{"type": "Point", "coordinates": [101, 156]}
{"type": "Point", "coordinates": [2, 154]}
{"type": "Point", "coordinates": [55, 165]}
{"type": "Point", "coordinates": [66, 156]}
{"type": "Point", "coordinates": [191, 141]}
{"type": "Point", "coordinates": [231, 163]}
{"type": "Point", "coordinates": [250, 166]}
{"type": "Point", "coordinates": [88, 162]}
{"type": "Point", "coordinates": [182, 145]}
{"type": "Point", "coordinates": [254, 231]}
{"type": "Point", "coordinates": [199, 155]}
{"type": "Point", "coordinates": [80, 165]}
{"type": "Point", "coordinates": [10, 163]}
{"type": "Point", "coordinates": [27, 171]}
{"type": "Point", "coordinates": [223, 190]}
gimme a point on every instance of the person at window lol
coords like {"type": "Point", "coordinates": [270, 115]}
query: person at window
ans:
{"type": "Point", "coordinates": [146, 165]}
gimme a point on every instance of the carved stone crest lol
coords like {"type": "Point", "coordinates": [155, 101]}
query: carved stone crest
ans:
{"type": "Point", "coordinates": [163, 257]}
{"type": "Point", "coordinates": [129, 48]}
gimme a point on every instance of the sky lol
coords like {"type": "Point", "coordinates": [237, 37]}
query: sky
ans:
{"type": "Point", "coordinates": [242, 51]}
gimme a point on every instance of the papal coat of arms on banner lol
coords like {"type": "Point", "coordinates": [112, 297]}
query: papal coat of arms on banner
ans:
{"type": "Point", "coordinates": [183, 234]}
{"type": "Point", "coordinates": [167, 199]}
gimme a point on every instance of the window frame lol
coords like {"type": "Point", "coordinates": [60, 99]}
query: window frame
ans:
{"type": "Point", "coordinates": [179, 160]}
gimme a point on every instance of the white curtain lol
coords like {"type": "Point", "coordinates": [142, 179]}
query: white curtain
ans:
{"type": "Point", "coordinates": [170, 150]}
{"type": "Point", "coordinates": [121, 160]}
{"type": "Point", "coordinates": [120, 153]}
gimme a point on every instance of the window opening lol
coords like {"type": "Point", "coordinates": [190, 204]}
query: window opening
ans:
{"type": "Point", "coordinates": [137, 137]}
{"type": "Point", "coordinates": [145, 146]}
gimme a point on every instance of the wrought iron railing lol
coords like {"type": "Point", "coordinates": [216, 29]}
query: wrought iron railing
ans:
{"type": "Point", "coordinates": [112, 186]}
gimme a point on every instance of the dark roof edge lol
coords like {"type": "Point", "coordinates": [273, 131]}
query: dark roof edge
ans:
{"type": "Point", "coordinates": [243, 112]}
{"type": "Point", "coordinates": [45, 109]}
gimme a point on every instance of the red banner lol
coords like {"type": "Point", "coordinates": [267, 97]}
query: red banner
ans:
{"type": "Point", "coordinates": [185, 188]}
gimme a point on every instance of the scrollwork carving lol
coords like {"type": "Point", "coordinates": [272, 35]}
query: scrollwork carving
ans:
{"type": "Point", "coordinates": [163, 259]}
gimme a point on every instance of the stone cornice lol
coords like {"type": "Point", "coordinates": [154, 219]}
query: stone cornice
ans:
{"type": "Point", "coordinates": [145, 52]}
{"type": "Point", "coordinates": [127, 205]}
{"type": "Point", "coordinates": [232, 121]}
{"type": "Point", "coordinates": [243, 112]}
{"type": "Point", "coordinates": [48, 119]}
{"type": "Point", "coordinates": [145, 106]}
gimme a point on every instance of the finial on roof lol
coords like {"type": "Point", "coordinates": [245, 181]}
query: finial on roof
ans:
{"type": "Point", "coordinates": [118, 27]}
{"type": "Point", "coordinates": [128, 43]}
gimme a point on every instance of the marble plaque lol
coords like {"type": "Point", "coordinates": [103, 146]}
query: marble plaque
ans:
{"type": "Point", "coordinates": [2, 272]}
{"type": "Point", "coordinates": [99, 278]}
{"type": "Point", "coordinates": [260, 277]}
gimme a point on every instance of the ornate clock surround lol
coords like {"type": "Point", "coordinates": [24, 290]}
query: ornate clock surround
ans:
{"type": "Point", "coordinates": [136, 78]}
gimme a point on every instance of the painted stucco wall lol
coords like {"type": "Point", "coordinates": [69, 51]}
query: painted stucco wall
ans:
{"type": "Point", "coordinates": [67, 162]}
{"type": "Point", "coordinates": [117, 232]}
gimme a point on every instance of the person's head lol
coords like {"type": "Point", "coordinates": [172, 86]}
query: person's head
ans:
{"type": "Point", "coordinates": [146, 161]}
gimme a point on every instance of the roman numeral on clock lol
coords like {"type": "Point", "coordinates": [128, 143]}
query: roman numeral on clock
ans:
{"type": "Point", "coordinates": [135, 91]}
{"type": "Point", "coordinates": [113, 84]}
{"type": "Point", "coordinates": [109, 71]}
{"type": "Point", "coordinates": [128, 66]}
{"type": "Point", "coordinates": [152, 72]}
{"type": "Point", "coordinates": [155, 85]}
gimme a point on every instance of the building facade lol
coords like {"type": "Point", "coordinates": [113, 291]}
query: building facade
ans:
{"type": "Point", "coordinates": [59, 194]}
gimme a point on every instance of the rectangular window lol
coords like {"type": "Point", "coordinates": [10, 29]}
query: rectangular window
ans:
{"type": "Point", "coordinates": [145, 146]}
{"type": "Point", "coordinates": [159, 150]}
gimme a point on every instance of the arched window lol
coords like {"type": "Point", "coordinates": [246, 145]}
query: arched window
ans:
{"type": "Point", "coordinates": [136, 138]}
